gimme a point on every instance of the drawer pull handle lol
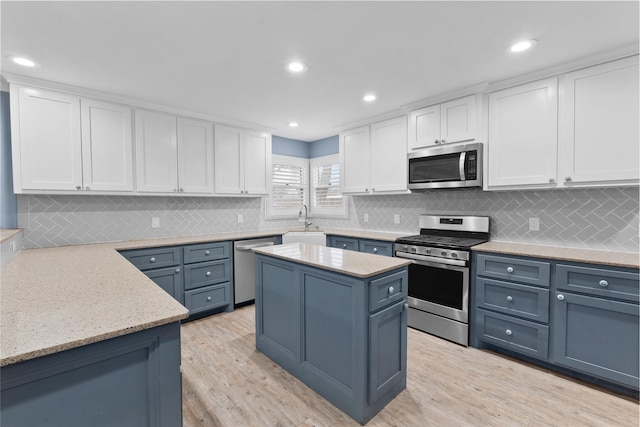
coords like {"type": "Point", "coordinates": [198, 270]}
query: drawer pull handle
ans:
{"type": "Point", "coordinates": [208, 273]}
{"type": "Point", "coordinates": [375, 249]}
{"type": "Point", "coordinates": [177, 270]}
{"type": "Point", "coordinates": [406, 305]}
{"type": "Point", "coordinates": [207, 252]}
{"type": "Point", "coordinates": [560, 297]}
{"type": "Point", "coordinates": [509, 298]}
{"type": "Point", "coordinates": [509, 269]}
{"type": "Point", "coordinates": [208, 298]}
{"type": "Point", "coordinates": [391, 289]}
{"type": "Point", "coordinates": [344, 245]}
{"type": "Point", "coordinates": [603, 283]}
{"type": "Point", "coordinates": [508, 332]}
{"type": "Point", "coordinates": [153, 259]}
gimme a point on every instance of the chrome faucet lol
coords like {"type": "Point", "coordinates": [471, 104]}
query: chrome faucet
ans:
{"type": "Point", "coordinates": [306, 217]}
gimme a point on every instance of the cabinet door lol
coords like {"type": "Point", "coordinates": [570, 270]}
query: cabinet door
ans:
{"type": "Point", "coordinates": [597, 336]}
{"type": "Point", "coordinates": [523, 135]}
{"type": "Point", "coordinates": [195, 156]}
{"type": "Point", "coordinates": [388, 351]}
{"type": "Point", "coordinates": [424, 127]}
{"type": "Point", "coordinates": [599, 124]}
{"type": "Point", "coordinates": [355, 160]}
{"type": "Point", "coordinates": [156, 152]}
{"type": "Point", "coordinates": [47, 143]}
{"type": "Point", "coordinates": [458, 120]}
{"type": "Point", "coordinates": [170, 280]}
{"type": "Point", "coordinates": [107, 147]}
{"type": "Point", "coordinates": [227, 146]}
{"type": "Point", "coordinates": [257, 162]}
{"type": "Point", "coordinates": [389, 155]}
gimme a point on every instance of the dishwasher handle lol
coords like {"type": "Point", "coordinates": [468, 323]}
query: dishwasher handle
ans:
{"type": "Point", "coordinates": [255, 245]}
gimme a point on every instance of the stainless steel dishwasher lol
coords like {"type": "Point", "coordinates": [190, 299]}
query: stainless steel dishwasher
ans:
{"type": "Point", "coordinates": [244, 269]}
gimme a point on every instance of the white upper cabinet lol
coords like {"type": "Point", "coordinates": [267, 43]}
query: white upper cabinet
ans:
{"type": "Point", "coordinates": [107, 147]}
{"type": "Point", "coordinates": [195, 156]}
{"type": "Point", "coordinates": [156, 152]}
{"type": "Point", "coordinates": [522, 145]}
{"type": "Point", "coordinates": [599, 114]}
{"type": "Point", "coordinates": [242, 161]}
{"type": "Point", "coordinates": [373, 158]}
{"type": "Point", "coordinates": [452, 121]}
{"type": "Point", "coordinates": [46, 140]}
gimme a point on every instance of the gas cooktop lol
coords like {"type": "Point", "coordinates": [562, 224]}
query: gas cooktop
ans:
{"type": "Point", "coordinates": [440, 241]}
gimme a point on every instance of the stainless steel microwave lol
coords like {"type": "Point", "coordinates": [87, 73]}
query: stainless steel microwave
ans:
{"type": "Point", "coordinates": [446, 166]}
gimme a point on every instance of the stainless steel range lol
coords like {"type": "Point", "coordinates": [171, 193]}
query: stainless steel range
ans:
{"type": "Point", "coordinates": [439, 273]}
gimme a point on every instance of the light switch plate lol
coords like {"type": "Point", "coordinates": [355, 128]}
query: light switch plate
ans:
{"type": "Point", "coordinates": [396, 218]}
{"type": "Point", "coordinates": [366, 217]}
{"type": "Point", "coordinates": [155, 222]}
{"type": "Point", "coordinates": [240, 218]}
{"type": "Point", "coordinates": [534, 224]}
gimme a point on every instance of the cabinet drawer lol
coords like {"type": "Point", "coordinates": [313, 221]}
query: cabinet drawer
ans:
{"type": "Point", "coordinates": [146, 259]}
{"type": "Point", "coordinates": [599, 281]}
{"type": "Point", "coordinates": [347, 243]}
{"type": "Point", "coordinates": [206, 252]}
{"type": "Point", "coordinates": [208, 298]}
{"type": "Point", "coordinates": [510, 298]}
{"type": "Point", "coordinates": [387, 290]}
{"type": "Point", "coordinates": [518, 270]}
{"type": "Point", "coordinates": [206, 273]}
{"type": "Point", "coordinates": [376, 247]}
{"type": "Point", "coordinates": [515, 334]}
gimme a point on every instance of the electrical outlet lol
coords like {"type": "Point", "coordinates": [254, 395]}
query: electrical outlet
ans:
{"type": "Point", "coordinates": [366, 217]}
{"type": "Point", "coordinates": [240, 218]}
{"type": "Point", "coordinates": [155, 222]}
{"type": "Point", "coordinates": [534, 224]}
{"type": "Point", "coordinates": [396, 218]}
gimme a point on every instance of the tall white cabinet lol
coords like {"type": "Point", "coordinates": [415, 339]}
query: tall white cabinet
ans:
{"type": "Point", "coordinates": [195, 156]}
{"type": "Point", "coordinates": [599, 140]}
{"type": "Point", "coordinates": [373, 158]}
{"type": "Point", "coordinates": [242, 161]}
{"type": "Point", "coordinates": [156, 152]}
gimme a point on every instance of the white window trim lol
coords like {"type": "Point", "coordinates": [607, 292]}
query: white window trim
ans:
{"type": "Point", "coordinates": [340, 212]}
{"type": "Point", "coordinates": [270, 213]}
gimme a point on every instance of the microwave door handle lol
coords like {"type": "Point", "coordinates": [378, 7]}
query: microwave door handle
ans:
{"type": "Point", "coordinates": [463, 161]}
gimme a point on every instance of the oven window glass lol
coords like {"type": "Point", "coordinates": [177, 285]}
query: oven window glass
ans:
{"type": "Point", "coordinates": [436, 285]}
{"type": "Point", "coordinates": [445, 167]}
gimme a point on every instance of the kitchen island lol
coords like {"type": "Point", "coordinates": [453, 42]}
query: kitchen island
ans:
{"type": "Point", "coordinates": [336, 320]}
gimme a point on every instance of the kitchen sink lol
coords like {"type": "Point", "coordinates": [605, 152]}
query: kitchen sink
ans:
{"type": "Point", "coordinates": [314, 237]}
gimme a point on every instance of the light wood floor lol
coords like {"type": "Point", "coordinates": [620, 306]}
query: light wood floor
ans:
{"type": "Point", "coordinates": [227, 382]}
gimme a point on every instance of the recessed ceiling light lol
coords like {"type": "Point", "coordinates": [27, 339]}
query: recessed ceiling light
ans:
{"type": "Point", "coordinates": [26, 62]}
{"type": "Point", "coordinates": [296, 67]}
{"type": "Point", "coordinates": [369, 98]}
{"type": "Point", "coordinates": [523, 45]}
{"type": "Point", "coordinates": [293, 124]}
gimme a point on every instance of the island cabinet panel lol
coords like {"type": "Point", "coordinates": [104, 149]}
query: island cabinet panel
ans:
{"type": "Point", "coordinates": [132, 380]}
{"type": "Point", "coordinates": [320, 326]}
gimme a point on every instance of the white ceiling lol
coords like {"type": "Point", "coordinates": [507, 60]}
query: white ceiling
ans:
{"type": "Point", "coordinates": [227, 59]}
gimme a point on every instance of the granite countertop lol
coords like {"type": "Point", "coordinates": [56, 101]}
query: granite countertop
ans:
{"type": "Point", "coordinates": [614, 259]}
{"type": "Point", "coordinates": [352, 263]}
{"type": "Point", "coordinates": [7, 233]}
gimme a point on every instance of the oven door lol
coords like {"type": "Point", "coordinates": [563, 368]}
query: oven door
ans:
{"type": "Point", "coordinates": [439, 289]}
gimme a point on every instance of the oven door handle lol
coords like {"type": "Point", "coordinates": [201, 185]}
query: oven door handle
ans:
{"type": "Point", "coordinates": [432, 261]}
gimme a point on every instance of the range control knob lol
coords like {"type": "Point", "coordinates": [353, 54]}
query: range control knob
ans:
{"type": "Point", "coordinates": [443, 253]}
{"type": "Point", "coordinates": [413, 249]}
{"type": "Point", "coordinates": [427, 251]}
{"type": "Point", "coordinates": [454, 255]}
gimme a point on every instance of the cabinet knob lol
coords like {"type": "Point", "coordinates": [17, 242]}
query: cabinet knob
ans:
{"type": "Point", "coordinates": [153, 259]}
{"type": "Point", "coordinates": [375, 250]}
{"type": "Point", "coordinates": [509, 298]}
{"type": "Point", "coordinates": [508, 332]}
{"type": "Point", "coordinates": [87, 188]}
{"type": "Point", "coordinates": [182, 189]}
{"type": "Point", "coordinates": [603, 283]}
{"type": "Point", "coordinates": [443, 141]}
{"type": "Point", "coordinates": [551, 180]}
{"type": "Point", "coordinates": [436, 142]}
{"type": "Point", "coordinates": [344, 245]}
{"type": "Point", "coordinates": [177, 270]}
{"type": "Point", "coordinates": [373, 189]}
{"type": "Point", "coordinates": [78, 187]}
{"type": "Point", "coordinates": [509, 269]}
{"type": "Point", "coordinates": [391, 289]}
{"type": "Point", "coordinates": [207, 252]}
{"type": "Point", "coordinates": [208, 298]}
{"type": "Point", "coordinates": [568, 179]}
{"type": "Point", "coordinates": [406, 305]}
{"type": "Point", "coordinates": [208, 273]}
{"type": "Point", "coordinates": [366, 189]}
{"type": "Point", "coordinates": [175, 190]}
{"type": "Point", "coordinates": [560, 297]}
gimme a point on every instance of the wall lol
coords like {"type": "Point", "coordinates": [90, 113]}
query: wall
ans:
{"type": "Point", "coordinates": [8, 201]}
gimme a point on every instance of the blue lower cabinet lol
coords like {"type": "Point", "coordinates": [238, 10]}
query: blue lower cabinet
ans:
{"type": "Point", "coordinates": [319, 326]}
{"type": "Point", "coordinates": [207, 298]}
{"type": "Point", "coordinates": [515, 334]}
{"type": "Point", "coordinates": [376, 247]}
{"type": "Point", "coordinates": [170, 280]}
{"type": "Point", "coordinates": [132, 380]}
{"type": "Point", "coordinates": [346, 243]}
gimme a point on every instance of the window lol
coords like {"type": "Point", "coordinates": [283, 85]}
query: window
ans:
{"type": "Point", "coordinates": [289, 186]}
{"type": "Point", "coordinates": [326, 196]}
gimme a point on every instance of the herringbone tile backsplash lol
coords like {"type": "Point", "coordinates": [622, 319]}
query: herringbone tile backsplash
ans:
{"type": "Point", "coordinates": [604, 218]}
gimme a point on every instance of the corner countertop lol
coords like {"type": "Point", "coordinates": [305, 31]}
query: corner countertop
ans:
{"type": "Point", "coordinates": [351, 263]}
{"type": "Point", "coordinates": [7, 233]}
{"type": "Point", "coordinates": [614, 259]}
